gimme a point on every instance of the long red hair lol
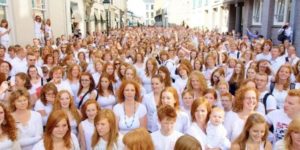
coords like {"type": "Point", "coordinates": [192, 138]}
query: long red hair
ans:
{"type": "Point", "coordinates": [8, 125]}
{"type": "Point", "coordinates": [54, 118]}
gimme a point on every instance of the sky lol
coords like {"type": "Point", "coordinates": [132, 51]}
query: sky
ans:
{"type": "Point", "coordinates": [138, 7]}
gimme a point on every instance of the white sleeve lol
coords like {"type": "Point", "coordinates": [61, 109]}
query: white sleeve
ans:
{"type": "Point", "coordinates": [39, 106]}
{"type": "Point", "coordinates": [271, 103]}
{"type": "Point", "coordinates": [142, 110]}
{"type": "Point", "coordinates": [39, 145]}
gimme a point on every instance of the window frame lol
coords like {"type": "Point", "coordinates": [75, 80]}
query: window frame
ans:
{"type": "Point", "coordinates": [42, 9]}
{"type": "Point", "coordinates": [255, 14]}
{"type": "Point", "coordinates": [285, 12]}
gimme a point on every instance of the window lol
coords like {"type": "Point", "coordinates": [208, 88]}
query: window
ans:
{"type": "Point", "coordinates": [3, 9]}
{"type": "Point", "coordinates": [281, 12]}
{"type": "Point", "coordinates": [152, 7]}
{"type": "Point", "coordinates": [257, 12]}
{"type": "Point", "coordinates": [39, 7]}
{"type": "Point", "coordinates": [152, 15]}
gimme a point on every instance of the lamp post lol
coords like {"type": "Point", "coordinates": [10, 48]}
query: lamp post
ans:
{"type": "Point", "coordinates": [106, 4]}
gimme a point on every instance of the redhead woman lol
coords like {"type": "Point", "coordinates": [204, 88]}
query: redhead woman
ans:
{"type": "Point", "coordinates": [151, 101]}
{"type": "Point", "coordinates": [56, 75]}
{"type": "Point", "coordinates": [106, 97]}
{"type": "Point", "coordinates": [196, 83]}
{"type": "Point", "coordinates": [200, 111]}
{"type": "Point", "coordinates": [64, 101]}
{"type": "Point", "coordinates": [254, 135]}
{"type": "Point", "coordinates": [89, 111]}
{"type": "Point", "coordinates": [170, 97]}
{"type": "Point", "coordinates": [106, 135]}
{"type": "Point", "coordinates": [246, 101]}
{"type": "Point", "coordinates": [58, 135]}
{"type": "Point", "coordinates": [130, 113]}
{"type": "Point", "coordinates": [29, 123]}
{"type": "Point", "coordinates": [45, 104]}
{"type": "Point", "coordinates": [8, 130]}
{"type": "Point", "coordinates": [4, 33]}
{"type": "Point", "coordinates": [150, 70]}
{"type": "Point", "coordinates": [73, 75]}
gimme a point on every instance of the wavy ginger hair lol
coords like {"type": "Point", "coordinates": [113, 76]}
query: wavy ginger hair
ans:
{"type": "Point", "coordinates": [72, 107]}
{"type": "Point", "coordinates": [113, 132]}
{"type": "Point", "coordinates": [238, 104]}
{"type": "Point", "coordinates": [8, 125]}
{"type": "Point", "coordinates": [138, 139]}
{"type": "Point", "coordinates": [294, 126]}
{"type": "Point", "coordinates": [54, 118]}
{"type": "Point", "coordinates": [202, 80]}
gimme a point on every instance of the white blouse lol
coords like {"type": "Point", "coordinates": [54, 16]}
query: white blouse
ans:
{"type": "Point", "coordinates": [197, 133]}
{"type": "Point", "coordinates": [47, 108]}
{"type": "Point", "coordinates": [101, 145]}
{"type": "Point", "coordinates": [129, 123]}
{"type": "Point", "coordinates": [32, 132]}
{"type": "Point", "coordinates": [152, 119]}
{"type": "Point", "coordinates": [107, 102]}
{"type": "Point", "coordinates": [88, 129]}
{"type": "Point", "coordinates": [74, 142]}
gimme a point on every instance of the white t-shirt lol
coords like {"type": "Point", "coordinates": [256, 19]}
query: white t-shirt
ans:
{"type": "Point", "coordinates": [83, 97]}
{"type": "Point", "coordinates": [74, 142]}
{"type": "Point", "coordinates": [270, 102]}
{"type": "Point", "coordinates": [280, 97]}
{"type": "Point", "coordinates": [4, 38]}
{"type": "Point", "coordinates": [7, 144]}
{"type": "Point", "coordinates": [197, 133]}
{"type": "Point", "coordinates": [280, 121]}
{"type": "Point", "coordinates": [146, 82]}
{"type": "Point", "coordinates": [182, 122]}
{"type": "Point", "coordinates": [128, 123]}
{"type": "Point", "coordinates": [162, 142]}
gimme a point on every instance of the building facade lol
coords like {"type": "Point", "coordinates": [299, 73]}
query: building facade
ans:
{"type": "Point", "coordinates": [88, 14]}
{"type": "Point", "coordinates": [150, 13]}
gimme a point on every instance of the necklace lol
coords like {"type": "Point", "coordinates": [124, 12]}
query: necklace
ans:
{"type": "Point", "coordinates": [129, 126]}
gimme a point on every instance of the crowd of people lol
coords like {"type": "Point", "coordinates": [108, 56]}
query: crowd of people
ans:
{"type": "Point", "coordinates": [148, 88]}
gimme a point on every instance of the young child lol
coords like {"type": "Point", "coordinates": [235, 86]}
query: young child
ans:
{"type": "Point", "coordinates": [216, 132]}
{"type": "Point", "coordinates": [166, 137]}
{"type": "Point", "coordinates": [187, 98]}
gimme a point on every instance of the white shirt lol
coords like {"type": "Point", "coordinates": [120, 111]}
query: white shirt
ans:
{"type": "Point", "coordinates": [146, 81]}
{"type": "Point", "coordinates": [280, 97]}
{"type": "Point", "coordinates": [74, 142]}
{"type": "Point", "coordinates": [216, 136]}
{"type": "Point", "coordinates": [152, 118]}
{"type": "Point", "coordinates": [101, 145]}
{"type": "Point", "coordinates": [162, 142]}
{"type": "Point", "coordinates": [4, 38]}
{"type": "Point", "coordinates": [32, 132]}
{"type": "Point", "coordinates": [88, 130]}
{"type": "Point", "coordinates": [47, 108]}
{"type": "Point", "coordinates": [262, 56]}
{"type": "Point", "coordinates": [64, 85]}
{"type": "Point", "coordinates": [18, 65]}
{"type": "Point", "coordinates": [280, 121]}
{"type": "Point", "coordinates": [182, 122]}
{"type": "Point", "coordinates": [197, 133]}
{"type": "Point", "coordinates": [233, 129]}
{"type": "Point", "coordinates": [276, 63]}
{"type": "Point", "coordinates": [270, 102]}
{"type": "Point", "coordinates": [7, 144]}
{"type": "Point", "coordinates": [128, 123]}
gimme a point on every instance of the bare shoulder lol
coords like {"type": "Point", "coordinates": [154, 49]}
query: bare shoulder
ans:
{"type": "Point", "coordinates": [235, 146]}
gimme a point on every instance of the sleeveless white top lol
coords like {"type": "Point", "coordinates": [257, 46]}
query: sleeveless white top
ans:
{"type": "Point", "coordinates": [88, 129]}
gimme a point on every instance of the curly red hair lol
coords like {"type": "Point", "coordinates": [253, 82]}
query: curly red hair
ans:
{"type": "Point", "coordinates": [8, 125]}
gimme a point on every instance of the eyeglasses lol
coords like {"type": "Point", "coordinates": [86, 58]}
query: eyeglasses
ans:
{"type": "Point", "coordinates": [85, 80]}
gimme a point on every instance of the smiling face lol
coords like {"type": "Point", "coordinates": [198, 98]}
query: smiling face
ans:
{"type": "Point", "coordinates": [188, 99]}
{"type": "Point", "coordinates": [257, 131]}
{"type": "Point", "coordinates": [156, 85]}
{"type": "Point", "coordinates": [91, 111]}
{"type": "Point", "coordinates": [201, 113]}
{"type": "Point", "coordinates": [250, 100]}
{"type": "Point", "coordinates": [65, 100]}
{"type": "Point", "coordinates": [284, 73]}
{"type": "Point", "coordinates": [21, 103]}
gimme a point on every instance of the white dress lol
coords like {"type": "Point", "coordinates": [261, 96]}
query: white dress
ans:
{"type": "Point", "coordinates": [4, 39]}
{"type": "Point", "coordinates": [74, 142]}
{"type": "Point", "coordinates": [129, 123]}
{"type": "Point", "coordinates": [32, 132]}
{"type": "Point", "coordinates": [88, 129]}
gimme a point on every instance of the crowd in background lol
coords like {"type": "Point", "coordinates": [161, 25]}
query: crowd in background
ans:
{"type": "Point", "coordinates": [148, 88]}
